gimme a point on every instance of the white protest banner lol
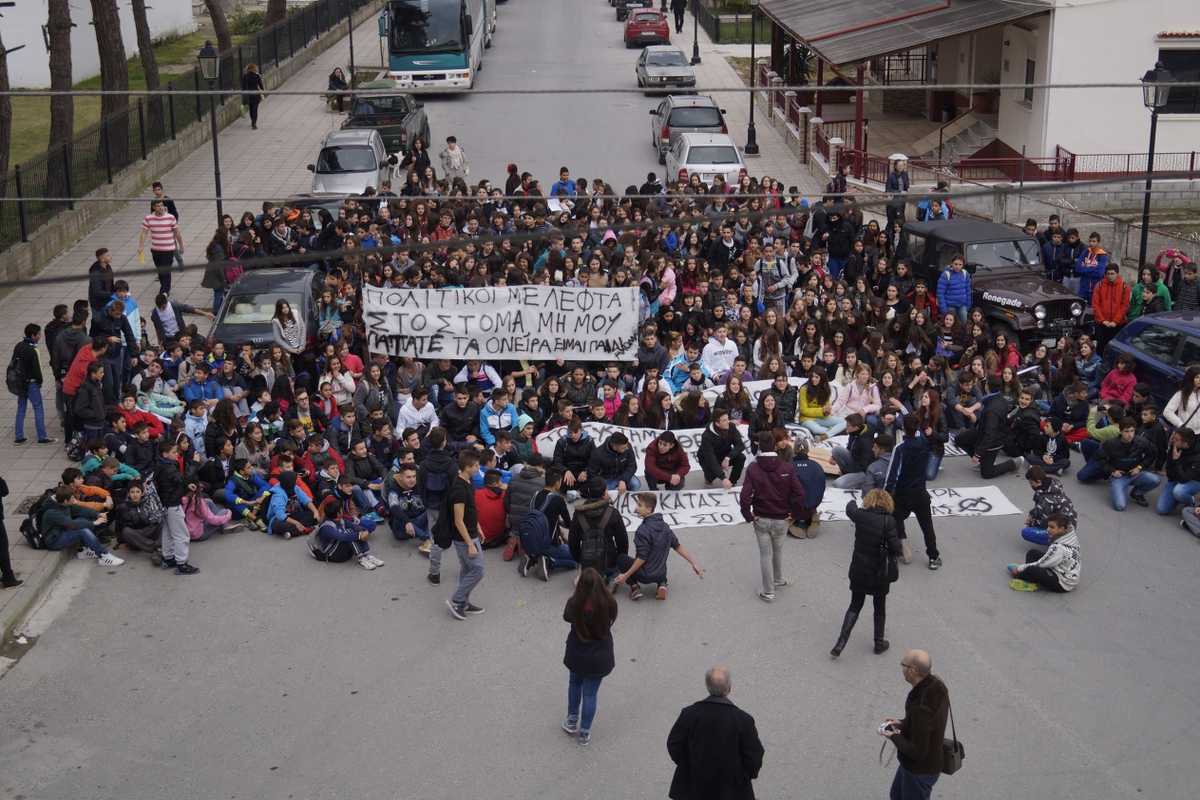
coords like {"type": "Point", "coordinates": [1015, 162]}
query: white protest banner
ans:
{"type": "Point", "coordinates": [520, 322]}
{"type": "Point", "coordinates": [843, 440]}
{"type": "Point", "coordinates": [639, 440]}
{"type": "Point", "coordinates": [972, 501]}
{"type": "Point", "coordinates": [688, 508]}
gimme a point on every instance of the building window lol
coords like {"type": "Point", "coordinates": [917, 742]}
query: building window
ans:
{"type": "Point", "coordinates": [1030, 68]}
{"type": "Point", "coordinates": [1184, 65]}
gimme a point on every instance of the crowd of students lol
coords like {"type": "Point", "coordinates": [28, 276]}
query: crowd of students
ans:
{"type": "Point", "coordinates": [742, 283]}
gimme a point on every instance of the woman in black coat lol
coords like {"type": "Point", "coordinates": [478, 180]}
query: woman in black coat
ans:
{"type": "Point", "coordinates": [252, 89]}
{"type": "Point", "coordinates": [416, 158]}
{"type": "Point", "coordinates": [589, 657]}
{"type": "Point", "coordinates": [874, 529]}
{"type": "Point", "coordinates": [337, 83]}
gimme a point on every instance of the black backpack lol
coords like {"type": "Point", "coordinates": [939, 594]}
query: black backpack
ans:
{"type": "Point", "coordinates": [17, 380]}
{"type": "Point", "coordinates": [593, 543]}
{"type": "Point", "coordinates": [32, 527]}
{"type": "Point", "coordinates": [437, 486]}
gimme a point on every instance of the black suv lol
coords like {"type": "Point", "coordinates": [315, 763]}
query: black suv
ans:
{"type": "Point", "coordinates": [625, 6]}
{"type": "Point", "coordinates": [1007, 278]}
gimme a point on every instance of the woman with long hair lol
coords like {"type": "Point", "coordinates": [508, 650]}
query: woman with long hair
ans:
{"type": "Point", "coordinates": [765, 418]}
{"type": "Point", "coordinates": [658, 411]}
{"type": "Point", "coordinates": [735, 399]}
{"type": "Point", "coordinates": [218, 252]}
{"type": "Point", "coordinates": [255, 448]}
{"type": "Point", "coordinates": [936, 428]}
{"type": "Point", "coordinates": [1183, 409]}
{"type": "Point", "coordinates": [816, 411]}
{"type": "Point", "coordinates": [373, 389]}
{"type": "Point", "coordinates": [289, 334]}
{"type": "Point", "coordinates": [589, 657]}
{"type": "Point", "coordinates": [252, 92]}
{"type": "Point", "coordinates": [693, 411]}
{"type": "Point", "coordinates": [343, 385]}
{"type": "Point", "coordinates": [872, 565]}
{"type": "Point", "coordinates": [629, 415]}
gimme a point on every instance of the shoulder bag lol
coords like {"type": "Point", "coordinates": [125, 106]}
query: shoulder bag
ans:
{"type": "Point", "coordinates": [953, 752]}
{"type": "Point", "coordinates": [886, 569]}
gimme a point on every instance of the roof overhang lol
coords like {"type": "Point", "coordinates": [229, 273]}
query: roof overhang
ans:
{"type": "Point", "coordinates": [850, 33]}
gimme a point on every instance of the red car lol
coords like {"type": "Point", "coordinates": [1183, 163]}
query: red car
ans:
{"type": "Point", "coordinates": [647, 27]}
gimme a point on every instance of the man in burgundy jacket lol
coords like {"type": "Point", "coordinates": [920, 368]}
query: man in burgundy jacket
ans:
{"type": "Point", "coordinates": [769, 493]}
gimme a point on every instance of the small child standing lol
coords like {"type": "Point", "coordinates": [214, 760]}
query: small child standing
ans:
{"type": "Point", "coordinates": [454, 161]}
{"type": "Point", "coordinates": [652, 542]}
{"type": "Point", "coordinates": [171, 485]}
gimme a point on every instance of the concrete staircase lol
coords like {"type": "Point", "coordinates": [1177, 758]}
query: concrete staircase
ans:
{"type": "Point", "coordinates": [966, 135]}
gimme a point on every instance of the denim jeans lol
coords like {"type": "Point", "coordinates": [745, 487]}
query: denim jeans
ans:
{"type": "Point", "coordinates": [907, 786]}
{"type": "Point", "coordinates": [218, 299]}
{"type": "Point", "coordinates": [470, 569]}
{"type": "Point", "coordinates": [1138, 485]}
{"type": "Point", "coordinates": [841, 456]}
{"type": "Point", "coordinates": [1175, 493]}
{"type": "Point", "coordinates": [83, 536]}
{"type": "Point", "coordinates": [33, 397]}
{"type": "Point", "coordinates": [835, 266]}
{"type": "Point", "coordinates": [560, 556]}
{"type": "Point", "coordinates": [64, 410]}
{"type": "Point", "coordinates": [960, 313]}
{"type": "Point", "coordinates": [830, 426]}
{"type": "Point", "coordinates": [420, 526]}
{"type": "Point", "coordinates": [932, 466]}
{"type": "Point", "coordinates": [633, 485]}
{"type": "Point", "coordinates": [770, 533]}
{"type": "Point", "coordinates": [581, 690]}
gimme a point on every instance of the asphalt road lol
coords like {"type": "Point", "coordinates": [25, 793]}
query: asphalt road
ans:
{"type": "Point", "coordinates": [272, 676]}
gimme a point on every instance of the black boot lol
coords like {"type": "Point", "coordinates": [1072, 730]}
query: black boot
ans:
{"type": "Point", "coordinates": [881, 643]}
{"type": "Point", "coordinates": [844, 636]}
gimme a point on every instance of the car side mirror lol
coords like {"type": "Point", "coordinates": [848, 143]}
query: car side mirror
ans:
{"type": "Point", "coordinates": [420, 104]}
{"type": "Point", "coordinates": [312, 167]}
{"type": "Point", "coordinates": [653, 111]}
{"type": "Point", "coordinates": [723, 111]}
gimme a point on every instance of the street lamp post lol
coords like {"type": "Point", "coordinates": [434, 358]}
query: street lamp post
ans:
{"type": "Point", "coordinates": [210, 70]}
{"type": "Point", "coordinates": [695, 32]}
{"type": "Point", "coordinates": [350, 22]}
{"type": "Point", "coordinates": [751, 137]}
{"type": "Point", "coordinates": [1156, 88]}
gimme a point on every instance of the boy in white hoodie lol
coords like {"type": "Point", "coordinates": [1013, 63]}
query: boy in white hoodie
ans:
{"type": "Point", "coordinates": [1056, 570]}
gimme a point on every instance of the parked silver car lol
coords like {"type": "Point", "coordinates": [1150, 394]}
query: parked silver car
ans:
{"type": "Point", "coordinates": [663, 66]}
{"type": "Point", "coordinates": [706, 155]}
{"type": "Point", "coordinates": [680, 114]}
{"type": "Point", "coordinates": [350, 161]}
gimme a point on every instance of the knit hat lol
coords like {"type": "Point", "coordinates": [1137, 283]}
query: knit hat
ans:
{"type": "Point", "coordinates": [524, 420]}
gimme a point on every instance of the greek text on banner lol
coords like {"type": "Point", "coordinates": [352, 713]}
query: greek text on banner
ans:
{"type": "Point", "coordinates": [520, 322]}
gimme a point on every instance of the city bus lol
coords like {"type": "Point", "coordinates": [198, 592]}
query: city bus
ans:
{"type": "Point", "coordinates": [436, 45]}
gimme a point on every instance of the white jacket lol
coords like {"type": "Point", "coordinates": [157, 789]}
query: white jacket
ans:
{"type": "Point", "coordinates": [1180, 415]}
{"type": "Point", "coordinates": [1062, 558]}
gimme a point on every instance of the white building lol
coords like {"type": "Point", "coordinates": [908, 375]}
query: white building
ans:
{"type": "Point", "coordinates": [922, 45]}
{"type": "Point", "coordinates": [29, 67]}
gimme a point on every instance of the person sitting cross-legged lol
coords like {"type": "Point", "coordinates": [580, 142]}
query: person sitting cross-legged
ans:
{"type": "Point", "coordinates": [337, 540]}
{"type": "Point", "coordinates": [1056, 569]}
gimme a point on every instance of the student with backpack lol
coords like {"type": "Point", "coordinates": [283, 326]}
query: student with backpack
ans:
{"type": "Point", "coordinates": [541, 527]}
{"type": "Point", "coordinates": [459, 526]}
{"type": "Point", "coordinates": [597, 534]}
{"type": "Point", "coordinates": [652, 542]}
{"type": "Point", "coordinates": [434, 478]}
{"type": "Point", "coordinates": [25, 381]}
{"type": "Point", "coordinates": [64, 522]}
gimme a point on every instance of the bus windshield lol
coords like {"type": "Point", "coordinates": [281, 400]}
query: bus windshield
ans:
{"type": "Point", "coordinates": [427, 26]}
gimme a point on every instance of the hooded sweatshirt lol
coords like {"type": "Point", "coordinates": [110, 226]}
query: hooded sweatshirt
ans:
{"type": "Point", "coordinates": [770, 489]}
{"type": "Point", "coordinates": [1049, 498]}
{"type": "Point", "coordinates": [653, 542]}
{"type": "Point", "coordinates": [1062, 558]}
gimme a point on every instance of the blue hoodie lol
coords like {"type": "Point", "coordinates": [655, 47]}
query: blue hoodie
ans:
{"type": "Point", "coordinates": [491, 420]}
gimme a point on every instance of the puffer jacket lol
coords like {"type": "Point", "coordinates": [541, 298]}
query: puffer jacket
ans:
{"type": "Point", "coordinates": [1184, 469]}
{"type": "Point", "coordinates": [954, 289]}
{"type": "Point", "coordinates": [573, 456]}
{"type": "Point", "coordinates": [859, 446]}
{"type": "Point", "coordinates": [1026, 428]}
{"type": "Point", "coordinates": [787, 402]}
{"type": "Point", "coordinates": [611, 465]}
{"type": "Point", "coordinates": [1115, 454]}
{"type": "Point", "coordinates": [614, 530]}
{"type": "Point", "coordinates": [521, 489]}
{"type": "Point", "coordinates": [1049, 498]}
{"type": "Point", "coordinates": [873, 527]}
{"type": "Point", "coordinates": [993, 424]}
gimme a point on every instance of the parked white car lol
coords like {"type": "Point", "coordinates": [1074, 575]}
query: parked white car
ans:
{"type": "Point", "coordinates": [350, 161]}
{"type": "Point", "coordinates": [706, 155]}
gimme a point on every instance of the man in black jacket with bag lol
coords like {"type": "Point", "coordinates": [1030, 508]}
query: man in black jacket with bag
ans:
{"type": "Point", "coordinates": [919, 736]}
{"type": "Point", "coordinates": [715, 746]}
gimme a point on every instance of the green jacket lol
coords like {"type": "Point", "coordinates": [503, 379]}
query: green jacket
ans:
{"type": "Point", "coordinates": [1135, 298]}
{"type": "Point", "coordinates": [1101, 434]}
{"type": "Point", "coordinates": [59, 518]}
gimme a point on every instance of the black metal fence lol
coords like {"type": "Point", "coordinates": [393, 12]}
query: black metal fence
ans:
{"type": "Point", "coordinates": [709, 21]}
{"type": "Point", "coordinates": [94, 156]}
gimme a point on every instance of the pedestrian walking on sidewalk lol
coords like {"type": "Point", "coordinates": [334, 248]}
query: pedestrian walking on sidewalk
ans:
{"type": "Point", "coordinates": [591, 610]}
{"type": "Point", "coordinates": [252, 89]}
{"type": "Point", "coordinates": [29, 359]}
{"type": "Point", "coordinates": [163, 231]}
{"type": "Point", "coordinates": [679, 6]}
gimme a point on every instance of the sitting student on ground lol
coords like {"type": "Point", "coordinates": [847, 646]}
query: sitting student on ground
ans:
{"type": "Point", "coordinates": [354, 504]}
{"type": "Point", "coordinates": [245, 493]}
{"type": "Point", "coordinates": [489, 504]}
{"type": "Point", "coordinates": [1182, 470]}
{"type": "Point", "coordinates": [406, 510]}
{"type": "Point", "coordinates": [597, 534]}
{"type": "Point", "coordinates": [131, 523]}
{"type": "Point", "coordinates": [806, 521]}
{"type": "Point", "coordinates": [203, 518]}
{"type": "Point", "coordinates": [67, 522]}
{"type": "Point", "coordinates": [572, 454]}
{"type": "Point", "coordinates": [1103, 423]}
{"type": "Point", "coordinates": [615, 462]}
{"type": "Point", "coordinates": [285, 522]}
{"type": "Point", "coordinates": [528, 481]}
{"type": "Point", "coordinates": [107, 476]}
{"type": "Point", "coordinates": [875, 475]}
{"type": "Point", "coordinates": [92, 497]}
{"type": "Point", "coordinates": [1056, 569]}
{"type": "Point", "coordinates": [337, 540]}
{"type": "Point", "coordinates": [551, 553]}
{"type": "Point", "coordinates": [856, 456]}
{"type": "Point", "coordinates": [1153, 429]}
{"type": "Point", "coordinates": [652, 543]}
{"type": "Point", "coordinates": [1051, 452]}
{"type": "Point", "coordinates": [1126, 462]}
{"type": "Point", "coordinates": [1048, 498]}
{"type": "Point", "coordinates": [666, 463]}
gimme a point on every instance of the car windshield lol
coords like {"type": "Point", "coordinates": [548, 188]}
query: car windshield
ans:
{"type": "Point", "coordinates": [368, 106]}
{"type": "Point", "coordinates": [999, 255]}
{"type": "Point", "coordinates": [712, 154]}
{"type": "Point", "coordinates": [667, 59]}
{"type": "Point", "coordinates": [357, 158]}
{"type": "Point", "coordinates": [257, 308]}
{"type": "Point", "coordinates": [697, 117]}
{"type": "Point", "coordinates": [645, 17]}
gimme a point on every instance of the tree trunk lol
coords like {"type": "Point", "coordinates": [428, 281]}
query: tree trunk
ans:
{"type": "Point", "coordinates": [114, 75]}
{"type": "Point", "coordinates": [276, 10]}
{"type": "Point", "coordinates": [220, 25]}
{"type": "Point", "coordinates": [62, 107]}
{"type": "Point", "coordinates": [5, 115]}
{"type": "Point", "coordinates": [154, 105]}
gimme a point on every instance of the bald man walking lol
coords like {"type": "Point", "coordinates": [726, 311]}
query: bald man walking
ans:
{"type": "Point", "coordinates": [918, 737]}
{"type": "Point", "coordinates": [715, 746]}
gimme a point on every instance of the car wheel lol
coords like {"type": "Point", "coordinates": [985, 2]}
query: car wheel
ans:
{"type": "Point", "coordinates": [662, 157]}
{"type": "Point", "coordinates": [640, 82]}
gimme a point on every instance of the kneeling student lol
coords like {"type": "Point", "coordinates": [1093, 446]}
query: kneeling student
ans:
{"type": "Point", "coordinates": [336, 540]}
{"type": "Point", "coordinates": [1057, 569]}
{"type": "Point", "coordinates": [652, 542]}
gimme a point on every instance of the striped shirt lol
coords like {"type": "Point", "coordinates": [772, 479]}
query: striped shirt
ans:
{"type": "Point", "coordinates": [162, 230]}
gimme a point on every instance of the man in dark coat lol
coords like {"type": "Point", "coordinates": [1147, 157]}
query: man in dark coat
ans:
{"type": "Point", "coordinates": [715, 746]}
{"type": "Point", "coordinates": [679, 7]}
{"type": "Point", "coordinates": [100, 282]}
{"type": "Point", "coordinates": [918, 737]}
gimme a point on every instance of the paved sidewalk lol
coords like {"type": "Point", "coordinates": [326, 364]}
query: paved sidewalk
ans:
{"type": "Point", "coordinates": [267, 163]}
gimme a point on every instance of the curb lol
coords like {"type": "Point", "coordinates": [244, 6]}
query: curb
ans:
{"type": "Point", "coordinates": [36, 585]}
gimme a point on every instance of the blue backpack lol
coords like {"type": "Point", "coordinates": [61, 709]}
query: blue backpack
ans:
{"type": "Point", "coordinates": [532, 528]}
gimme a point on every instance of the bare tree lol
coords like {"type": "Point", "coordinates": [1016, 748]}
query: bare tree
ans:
{"type": "Point", "coordinates": [114, 74]}
{"type": "Point", "coordinates": [154, 106]}
{"type": "Point", "coordinates": [276, 10]}
{"type": "Point", "coordinates": [220, 25]}
{"type": "Point", "coordinates": [62, 107]}
{"type": "Point", "coordinates": [5, 114]}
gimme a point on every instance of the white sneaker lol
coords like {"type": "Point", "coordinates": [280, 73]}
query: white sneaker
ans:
{"type": "Point", "coordinates": [375, 560]}
{"type": "Point", "coordinates": [365, 562]}
{"type": "Point", "coordinates": [109, 560]}
{"type": "Point", "coordinates": [1020, 470]}
{"type": "Point", "coordinates": [86, 552]}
